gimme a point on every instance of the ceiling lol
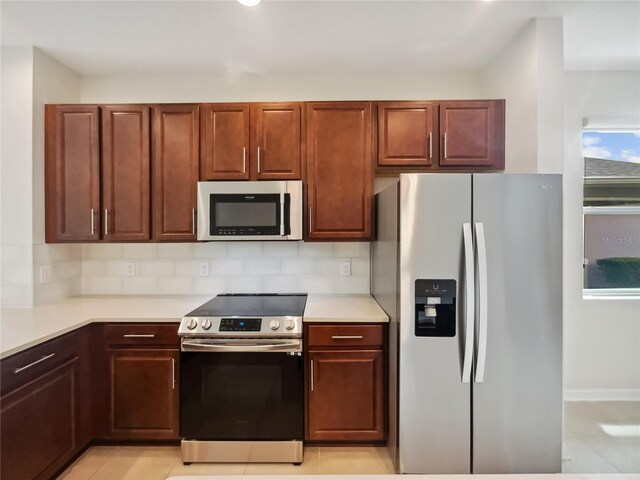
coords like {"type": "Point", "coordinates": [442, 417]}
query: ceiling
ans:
{"type": "Point", "coordinates": [97, 38]}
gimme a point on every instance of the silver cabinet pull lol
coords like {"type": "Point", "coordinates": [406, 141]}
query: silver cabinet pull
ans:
{"type": "Point", "coordinates": [106, 221]}
{"type": "Point", "coordinates": [193, 221]}
{"type": "Point", "coordinates": [46, 357]}
{"type": "Point", "coordinates": [93, 212]}
{"type": "Point", "coordinates": [445, 144]}
{"type": "Point", "coordinates": [310, 219]}
{"type": "Point", "coordinates": [430, 144]}
{"type": "Point", "coordinates": [139, 335]}
{"type": "Point", "coordinates": [173, 373]}
{"type": "Point", "coordinates": [312, 375]}
{"type": "Point", "coordinates": [347, 337]}
{"type": "Point", "coordinates": [244, 159]}
{"type": "Point", "coordinates": [258, 159]}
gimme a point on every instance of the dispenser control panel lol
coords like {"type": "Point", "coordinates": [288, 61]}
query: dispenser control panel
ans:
{"type": "Point", "coordinates": [435, 302]}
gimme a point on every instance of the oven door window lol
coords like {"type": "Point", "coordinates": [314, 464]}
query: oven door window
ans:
{"type": "Point", "coordinates": [255, 214]}
{"type": "Point", "coordinates": [241, 396]}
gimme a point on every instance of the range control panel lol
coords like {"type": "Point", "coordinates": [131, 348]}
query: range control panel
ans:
{"type": "Point", "coordinates": [435, 302]}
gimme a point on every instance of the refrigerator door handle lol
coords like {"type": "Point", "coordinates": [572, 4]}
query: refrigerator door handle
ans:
{"type": "Point", "coordinates": [469, 304]}
{"type": "Point", "coordinates": [481, 257]}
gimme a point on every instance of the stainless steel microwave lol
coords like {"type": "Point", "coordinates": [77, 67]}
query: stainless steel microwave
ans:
{"type": "Point", "coordinates": [250, 210]}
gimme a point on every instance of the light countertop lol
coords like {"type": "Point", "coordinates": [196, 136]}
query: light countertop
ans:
{"type": "Point", "coordinates": [25, 327]}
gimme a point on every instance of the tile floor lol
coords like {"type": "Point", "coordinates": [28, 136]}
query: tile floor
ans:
{"type": "Point", "coordinates": [600, 437]}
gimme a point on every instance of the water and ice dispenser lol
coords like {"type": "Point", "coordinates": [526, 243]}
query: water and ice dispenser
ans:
{"type": "Point", "coordinates": [435, 302]}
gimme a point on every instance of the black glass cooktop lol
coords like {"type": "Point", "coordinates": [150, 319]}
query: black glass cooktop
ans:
{"type": "Point", "coordinates": [253, 305]}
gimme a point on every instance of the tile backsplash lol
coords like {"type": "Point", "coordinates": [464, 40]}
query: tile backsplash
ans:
{"type": "Point", "coordinates": [217, 267]}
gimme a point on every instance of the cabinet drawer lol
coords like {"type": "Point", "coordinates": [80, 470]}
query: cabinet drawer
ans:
{"type": "Point", "coordinates": [345, 335]}
{"type": "Point", "coordinates": [26, 365]}
{"type": "Point", "coordinates": [142, 334]}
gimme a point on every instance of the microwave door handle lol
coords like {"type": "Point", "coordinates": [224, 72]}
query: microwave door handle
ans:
{"type": "Point", "coordinates": [282, 228]}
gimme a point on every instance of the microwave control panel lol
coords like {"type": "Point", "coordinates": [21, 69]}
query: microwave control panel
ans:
{"type": "Point", "coordinates": [435, 306]}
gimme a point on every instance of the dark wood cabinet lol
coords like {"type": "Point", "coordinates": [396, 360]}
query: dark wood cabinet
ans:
{"type": "Point", "coordinates": [176, 161]}
{"type": "Point", "coordinates": [225, 137]}
{"type": "Point", "coordinates": [141, 378]}
{"type": "Point", "coordinates": [143, 394]}
{"type": "Point", "coordinates": [346, 383]}
{"type": "Point", "coordinates": [339, 170]}
{"type": "Point", "coordinates": [72, 173]}
{"type": "Point", "coordinates": [407, 133]}
{"type": "Point", "coordinates": [276, 141]}
{"type": "Point", "coordinates": [472, 133]}
{"type": "Point", "coordinates": [126, 173]}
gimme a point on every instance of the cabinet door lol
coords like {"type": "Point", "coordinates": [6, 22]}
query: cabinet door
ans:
{"type": "Point", "coordinates": [472, 133]}
{"type": "Point", "coordinates": [346, 395]}
{"type": "Point", "coordinates": [407, 133]}
{"type": "Point", "coordinates": [176, 160]}
{"type": "Point", "coordinates": [339, 170]}
{"type": "Point", "coordinates": [72, 173]}
{"type": "Point", "coordinates": [38, 425]}
{"type": "Point", "coordinates": [277, 141]}
{"type": "Point", "coordinates": [143, 394]}
{"type": "Point", "coordinates": [225, 142]}
{"type": "Point", "coordinates": [125, 173]}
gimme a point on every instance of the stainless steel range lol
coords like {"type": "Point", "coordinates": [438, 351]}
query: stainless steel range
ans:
{"type": "Point", "coordinates": [242, 385]}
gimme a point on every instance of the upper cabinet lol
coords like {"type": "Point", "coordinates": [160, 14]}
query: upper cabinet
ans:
{"type": "Point", "coordinates": [125, 173]}
{"type": "Point", "coordinates": [251, 141]}
{"type": "Point", "coordinates": [407, 133]}
{"type": "Point", "coordinates": [176, 160]}
{"type": "Point", "coordinates": [339, 170]}
{"type": "Point", "coordinates": [225, 142]}
{"type": "Point", "coordinates": [472, 133]}
{"type": "Point", "coordinates": [72, 173]}
{"type": "Point", "coordinates": [277, 132]}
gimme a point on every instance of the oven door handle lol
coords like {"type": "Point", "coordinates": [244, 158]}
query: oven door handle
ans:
{"type": "Point", "coordinates": [231, 346]}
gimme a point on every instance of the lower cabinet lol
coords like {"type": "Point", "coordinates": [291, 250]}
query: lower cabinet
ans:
{"type": "Point", "coordinates": [143, 394]}
{"type": "Point", "coordinates": [141, 370]}
{"type": "Point", "coordinates": [39, 424]}
{"type": "Point", "coordinates": [346, 383]}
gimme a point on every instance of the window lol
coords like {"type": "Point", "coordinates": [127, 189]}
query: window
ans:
{"type": "Point", "coordinates": [611, 212]}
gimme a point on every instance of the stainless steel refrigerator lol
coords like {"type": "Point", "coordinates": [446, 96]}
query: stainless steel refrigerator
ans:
{"type": "Point", "coordinates": [469, 269]}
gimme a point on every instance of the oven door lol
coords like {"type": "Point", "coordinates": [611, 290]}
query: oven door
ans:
{"type": "Point", "coordinates": [241, 389]}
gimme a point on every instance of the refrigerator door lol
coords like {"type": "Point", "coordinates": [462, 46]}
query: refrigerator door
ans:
{"type": "Point", "coordinates": [517, 399]}
{"type": "Point", "coordinates": [434, 404]}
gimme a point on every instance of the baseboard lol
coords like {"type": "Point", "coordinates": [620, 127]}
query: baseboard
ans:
{"type": "Point", "coordinates": [602, 395]}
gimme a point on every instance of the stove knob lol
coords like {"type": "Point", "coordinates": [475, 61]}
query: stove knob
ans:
{"type": "Point", "coordinates": [274, 324]}
{"type": "Point", "coordinates": [206, 324]}
{"type": "Point", "coordinates": [290, 325]}
{"type": "Point", "coordinates": [192, 323]}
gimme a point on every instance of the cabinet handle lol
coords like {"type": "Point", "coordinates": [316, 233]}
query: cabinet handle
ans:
{"type": "Point", "coordinates": [244, 159]}
{"type": "Point", "coordinates": [310, 217]}
{"type": "Point", "coordinates": [430, 144]}
{"type": "Point", "coordinates": [46, 357]}
{"type": "Point", "coordinates": [347, 337]}
{"type": "Point", "coordinates": [106, 221]}
{"type": "Point", "coordinates": [92, 225]}
{"type": "Point", "coordinates": [139, 335]}
{"type": "Point", "coordinates": [193, 221]}
{"type": "Point", "coordinates": [445, 144]}
{"type": "Point", "coordinates": [312, 375]}
{"type": "Point", "coordinates": [258, 159]}
{"type": "Point", "coordinates": [173, 373]}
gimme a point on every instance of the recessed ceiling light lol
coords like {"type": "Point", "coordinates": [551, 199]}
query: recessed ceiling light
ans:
{"type": "Point", "coordinates": [249, 3]}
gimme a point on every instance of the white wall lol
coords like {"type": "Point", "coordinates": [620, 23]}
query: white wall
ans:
{"type": "Point", "coordinates": [528, 73]}
{"type": "Point", "coordinates": [249, 88]}
{"type": "Point", "coordinates": [16, 176]}
{"type": "Point", "coordinates": [52, 83]}
{"type": "Point", "coordinates": [602, 336]}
